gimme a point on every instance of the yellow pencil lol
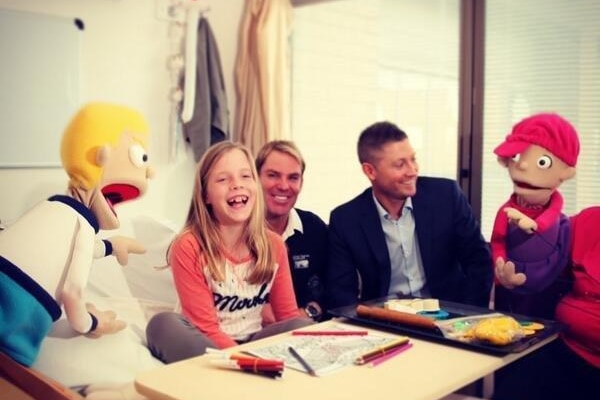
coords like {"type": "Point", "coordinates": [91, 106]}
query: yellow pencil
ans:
{"type": "Point", "coordinates": [380, 350]}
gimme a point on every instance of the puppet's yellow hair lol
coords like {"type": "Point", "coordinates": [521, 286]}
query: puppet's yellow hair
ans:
{"type": "Point", "coordinates": [96, 125]}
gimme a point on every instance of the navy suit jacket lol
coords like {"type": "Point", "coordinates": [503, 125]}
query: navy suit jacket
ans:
{"type": "Point", "coordinates": [456, 258]}
{"type": "Point", "coordinates": [307, 254]}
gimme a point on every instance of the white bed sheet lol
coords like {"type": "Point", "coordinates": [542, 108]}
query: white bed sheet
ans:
{"type": "Point", "coordinates": [135, 292]}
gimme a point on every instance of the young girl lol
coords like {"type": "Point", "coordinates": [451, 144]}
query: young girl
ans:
{"type": "Point", "coordinates": [226, 264]}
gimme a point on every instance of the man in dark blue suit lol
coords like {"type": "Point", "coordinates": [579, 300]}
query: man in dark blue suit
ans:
{"type": "Point", "coordinates": [406, 234]}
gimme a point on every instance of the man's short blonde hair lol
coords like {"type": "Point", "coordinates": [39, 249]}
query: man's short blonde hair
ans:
{"type": "Point", "coordinates": [282, 146]}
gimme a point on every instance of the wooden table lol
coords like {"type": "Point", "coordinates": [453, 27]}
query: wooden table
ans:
{"type": "Point", "coordinates": [427, 371]}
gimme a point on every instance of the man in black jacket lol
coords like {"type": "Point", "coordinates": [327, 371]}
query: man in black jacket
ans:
{"type": "Point", "coordinates": [280, 167]}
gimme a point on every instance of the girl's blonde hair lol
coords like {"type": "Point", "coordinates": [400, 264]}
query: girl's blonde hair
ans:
{"type": "Point", "coordinates": [204, 226]}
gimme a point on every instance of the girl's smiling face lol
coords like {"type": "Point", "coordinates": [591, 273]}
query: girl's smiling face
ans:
{"type": "Point", "coordinates": [231, 188]}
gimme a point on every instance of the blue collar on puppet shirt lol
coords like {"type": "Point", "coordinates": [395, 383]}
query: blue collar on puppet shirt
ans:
{"type": "Point", "coordinates": [79, 207]}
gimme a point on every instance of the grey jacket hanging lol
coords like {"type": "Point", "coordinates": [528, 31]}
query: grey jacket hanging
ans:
{"type": "Point", "coordinates": [210, 120]}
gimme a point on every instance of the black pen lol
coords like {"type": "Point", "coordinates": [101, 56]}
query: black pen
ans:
{"type": "Point", "coordinates": [302, 361]}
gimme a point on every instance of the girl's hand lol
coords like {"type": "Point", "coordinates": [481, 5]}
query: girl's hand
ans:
{"type": "Point", "coordinates": [267, 315]}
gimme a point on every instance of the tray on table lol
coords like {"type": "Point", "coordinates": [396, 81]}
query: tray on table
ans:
{"type": "Point", "coordinates": [455, 310]}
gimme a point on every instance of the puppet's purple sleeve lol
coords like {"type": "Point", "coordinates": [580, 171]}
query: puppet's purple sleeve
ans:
{"type": "Point", "coordinates": [541, 256]}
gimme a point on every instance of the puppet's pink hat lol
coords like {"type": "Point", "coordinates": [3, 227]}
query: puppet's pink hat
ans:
{"type": "Point", "coordinates": [548, 130]}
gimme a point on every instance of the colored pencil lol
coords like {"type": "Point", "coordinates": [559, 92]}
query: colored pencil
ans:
{"type": "Point", "coordinates": [302, 361]}
{"type": "Point", "coordinates": [391, 354]}
{"type": "Point", "coordinates": [330, 333]}
{"type": "Point", "coordinates": [380, 351]}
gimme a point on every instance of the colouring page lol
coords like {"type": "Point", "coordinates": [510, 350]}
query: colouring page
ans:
{"type": "Point", "coordinates": [325, 354]}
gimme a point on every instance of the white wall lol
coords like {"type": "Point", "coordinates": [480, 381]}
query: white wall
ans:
{"type": "Point", "coordinates": [124, 52]}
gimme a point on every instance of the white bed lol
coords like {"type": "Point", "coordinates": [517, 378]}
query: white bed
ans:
{"type": "Point", "coordinates": [135, 292]}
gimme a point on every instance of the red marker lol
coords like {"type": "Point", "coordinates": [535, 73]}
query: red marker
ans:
{"type": "Point", "coordinates": [257, 363]}
{"type": "Point", "coordinates": [272, 371]}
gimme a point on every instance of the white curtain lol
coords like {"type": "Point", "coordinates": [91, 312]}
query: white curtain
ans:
{"type": "Point", "coordinates": [262, 73]}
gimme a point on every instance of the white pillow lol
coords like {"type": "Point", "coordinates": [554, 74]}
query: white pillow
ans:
{"type": "Point", "coordinates": [78, 361]}
{"type": "Point", "coordinates": [135, 292]}
{"type": "Point", "coordinates": [147, 276]}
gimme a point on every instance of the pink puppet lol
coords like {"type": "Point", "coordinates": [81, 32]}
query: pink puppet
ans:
{"type": "Point", "coordinates": [530, 230]}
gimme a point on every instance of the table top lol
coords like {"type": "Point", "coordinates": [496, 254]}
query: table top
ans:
{"type": "Point", "coordinates": [428, 371]}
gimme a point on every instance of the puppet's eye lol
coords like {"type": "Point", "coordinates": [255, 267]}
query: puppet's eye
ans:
{"type": "Point", "coordinates": [137, 155]}
{"type": "Point", "coordinates": [516, 157]}
{"type": "Point", "coordinates": [544, 162]}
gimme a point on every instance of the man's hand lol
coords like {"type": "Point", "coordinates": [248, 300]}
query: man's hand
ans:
{"type": "Point", "coordinates": [505, 274]}
{"type": "Point", "coordinates": [107, 322]}
{"type": "Point", "coordinates": [521, 220]}
{"type": "Point", "coordinates": [122, 246]}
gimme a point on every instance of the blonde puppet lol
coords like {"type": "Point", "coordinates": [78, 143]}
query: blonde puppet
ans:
{"type": "Point", "coordinates": [46, 255]}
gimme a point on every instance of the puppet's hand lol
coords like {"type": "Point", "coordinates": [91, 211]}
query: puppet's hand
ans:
{"type": "Point", "coordinates": [523, 221]}
{"type": "Point", "coordinates": [123, 245]}
{"type": "Point", "coordinates": [506, 275]}
{"type": "Point", "coordinates": [107, 322]}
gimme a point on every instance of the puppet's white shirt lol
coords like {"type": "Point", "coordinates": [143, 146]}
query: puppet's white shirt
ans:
{"type": "Point", "coordinates": [54, 245]}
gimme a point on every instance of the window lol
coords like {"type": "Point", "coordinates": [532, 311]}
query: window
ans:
{"type": "Point", "coordinates": [541, 56]}
{"type": "Point", "coordinates": [356, 62]}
